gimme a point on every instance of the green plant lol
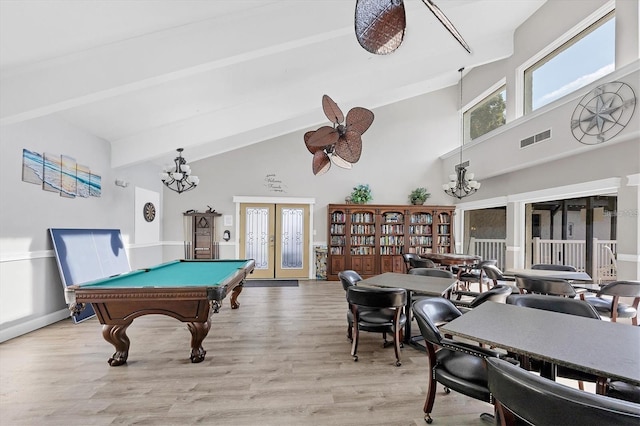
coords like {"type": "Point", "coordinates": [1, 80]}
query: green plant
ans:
{"type": "Point", "coordinates": [419, 196]}
{"type": "Point", "coordinates": [361, 194]}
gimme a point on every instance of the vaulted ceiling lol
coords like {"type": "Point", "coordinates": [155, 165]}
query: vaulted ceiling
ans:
{"type": "Point", "coordinates": [150, 76]}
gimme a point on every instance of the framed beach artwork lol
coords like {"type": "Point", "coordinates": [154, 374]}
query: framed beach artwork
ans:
{"type": "Point", "coordinates": [83, 175]}
{"type": "Point", "coordinates": [95, 185]}
{"type": "Point", "coordinates": [61, 174]}
{"type": "Point", "coordinates": [32, 167]}
{"type": "Point", "coordinates": [52, 173]}
{"type": "Point", "coordinates": [68, 182]}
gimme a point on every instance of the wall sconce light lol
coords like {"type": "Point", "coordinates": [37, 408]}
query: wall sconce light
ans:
{"type": "Point", "coordinates": [226, 235]}
{"type": "Point", "coordinates": [122, 183]}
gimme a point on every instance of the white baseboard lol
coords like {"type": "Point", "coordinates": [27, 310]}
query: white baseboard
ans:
{"type": "Point", "coordinates": [34, 324]}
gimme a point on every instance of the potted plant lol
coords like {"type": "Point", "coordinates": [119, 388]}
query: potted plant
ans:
{"type": "Point", "coordinates": [361, 194]}
{"type": "Point", "coordinates": [418, 196]}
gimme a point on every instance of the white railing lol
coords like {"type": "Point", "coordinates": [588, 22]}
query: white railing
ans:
{"type": "Point", "coordinates": [559, 252]}
{"type": "Point", "coordinates": [489, 249]}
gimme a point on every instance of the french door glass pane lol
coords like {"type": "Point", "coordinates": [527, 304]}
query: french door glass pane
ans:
{"type": "Point", "coordinates": [257, 236]}
{"type": "Point", "coordinates": [292, 221]}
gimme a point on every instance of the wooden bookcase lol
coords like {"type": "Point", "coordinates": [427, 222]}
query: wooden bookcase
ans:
{"type": "Point", "coordinates": [371, 239]}
{"type": "Point", "coordinates": [200, 236]}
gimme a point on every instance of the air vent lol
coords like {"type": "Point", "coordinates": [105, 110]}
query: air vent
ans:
{"type": "Point", "coordinates": [542, 136]}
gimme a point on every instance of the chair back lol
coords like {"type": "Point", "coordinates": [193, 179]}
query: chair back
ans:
{"type": "Point", "coordinates": [407, 259]}
{"type": "Point", "coordinates": [551, 267]}
{"type": "Point", "coordinates": [555, 304]}
{"type": "Point", "coordinates": [431, 272]}
{"type": "Point", "coordinates": [349, 278]}
{"type": "Point", "coordinates": [493, 273]}
{"type": "Point", "coordinates": [554, 287]}
{"type": "Point", "coordinates": [422, 263]}
{"type": "Point", "coordinates": [621, 288]}
{"type": "Point", "coordinates": [373, 297]}
{"type": "Point", "coordinates": [540, 401]}
{"type": "Point", "coordinates": [432, 312]}
{"type": "Point", "coordinates": [496, 294]}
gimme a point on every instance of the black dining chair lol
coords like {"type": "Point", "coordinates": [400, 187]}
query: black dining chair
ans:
{"type": "Point", "coordinates": [349, 278]}
{"type": "Point", "coordinates": [552, 267]}
{"type": "Point", "coordinates": [548, 286]}
{"type": "Point", "coordinates": [378, 310]}
{"type": "Point", "coordinates": [496, 294]}
{"type": "Point", "coordinates": [457, 365]}
{"type": "Point", "coordinates": [607, 300]}
{"type": "Point", "coordinates": [406, 257]}
{"type": "Point", "coordinates": [521, 396]}
{"type": "Point", "coordinates": [432, 272]}
{"type": "Point", "coordinates": [473, 274]}
{"type": "Point", "coordinates": [421, 263]}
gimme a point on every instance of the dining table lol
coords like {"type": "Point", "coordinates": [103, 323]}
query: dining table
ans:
{"type": "Point", "coordinates": [605, 349]}
{"type": "Point", "coordinates": [452, 259]}
{"type": "Point", "coordinates": [415, 285]}
{"type": "Point", "coordinates": [545, 273]}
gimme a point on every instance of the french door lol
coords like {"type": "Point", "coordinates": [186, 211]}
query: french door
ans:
{"type": "Point", "coordinates": [276, 236]}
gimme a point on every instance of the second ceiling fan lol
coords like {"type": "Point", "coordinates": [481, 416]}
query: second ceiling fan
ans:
{"type": "Point", "coordinates": [380, 24]}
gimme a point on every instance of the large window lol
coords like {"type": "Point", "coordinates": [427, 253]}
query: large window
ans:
{"type": "Point", "coordinates": [486, 115]}
{"type": "Point", "coordinates": [581, 60]}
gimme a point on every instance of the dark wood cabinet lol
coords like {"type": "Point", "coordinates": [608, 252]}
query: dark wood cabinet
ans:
{"type": "Point", "coordinates": [371, 239]}
{"type": "Point", "coordinates": [200, 236]}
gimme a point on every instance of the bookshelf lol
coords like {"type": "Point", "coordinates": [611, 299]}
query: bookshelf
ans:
{"type": "Point", "coordinates": [371, 239]}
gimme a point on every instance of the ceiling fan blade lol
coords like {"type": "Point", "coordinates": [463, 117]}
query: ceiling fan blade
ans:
{"type": "Point", "coordinates": [332, 110]}
{"type": "Point", "coordinates": [447, 23]}
{"type": "Point", "coordinates": [380, 25]}
{"type": "Point", "coordinates": [312, 149]}
{"type": "Point", "coordinates": [340, 162]}
{"type": "Point", "coordinates": [349, 146]}
{"type": "Point", "coordinates": [324, 136]}
{"type": "Point", "coordinates": [321, 163]}
{"type": "Point", "coordinates": [359, 119]}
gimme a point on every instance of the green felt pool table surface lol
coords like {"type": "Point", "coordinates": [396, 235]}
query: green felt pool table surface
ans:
{"type": "Point", "coordinates": [178, 273]}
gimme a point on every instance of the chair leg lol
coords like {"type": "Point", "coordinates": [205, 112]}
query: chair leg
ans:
{"type": "Point", "coordinates": [431, 387]}
{"type": "Point", "coordinates": [354, 344]}
{"type": "Point", "coordinates": [397, 337]}
{"type": "Point", "coordinates": [349, 332]}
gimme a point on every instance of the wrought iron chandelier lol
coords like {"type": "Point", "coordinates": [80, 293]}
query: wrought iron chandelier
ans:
{"type": "Point", "coordinates": [179, 178]}
{"type": "Point", "coordinates": [461, 182]}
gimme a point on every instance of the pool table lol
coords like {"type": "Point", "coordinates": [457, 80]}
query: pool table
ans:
{"type": "Point", "coordinates": [187, 290]}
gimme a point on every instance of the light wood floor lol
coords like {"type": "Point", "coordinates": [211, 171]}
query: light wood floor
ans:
{"type": "Point", "coordinates": [281, 359]}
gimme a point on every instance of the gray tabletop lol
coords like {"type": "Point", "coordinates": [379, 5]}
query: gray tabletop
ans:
{"type": "Point", "coordinates": [430, 286]}
{"type": "Point", "coordinates": [602, 348]}
{"type": "Point", "coordinates": [543, 273]}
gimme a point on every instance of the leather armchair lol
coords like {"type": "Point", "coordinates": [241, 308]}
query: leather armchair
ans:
{"type": "Point", "coordinates": [456, 365]}
{"type": "Point", "coordinates": [607, 302]}
{"type": "Point", "coordinates": [378, 310]}
{"type": "Point", "coordinates": [518, 394]}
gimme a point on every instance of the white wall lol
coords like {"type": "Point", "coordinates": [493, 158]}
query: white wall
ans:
{"type": "Point", "coordinates": [31, 293]}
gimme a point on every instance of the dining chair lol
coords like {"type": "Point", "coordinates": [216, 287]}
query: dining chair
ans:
{"type": "Point", "coordinates": [378, 310]}
{"type": "Point", "coordinates": [406, 257]}
{"type": "Point", "coordinates": [457, 365]}
{"type": "Point", "coordinates": [548, 286]}
{"type": "Point", "coordinates": [607, 300]}
{"type": "Point", "coordinates": [553, 267]}
{"type": "Point", "coordinates": [521, 396]}
{"type": "Point", "coordinates": [496, 294]}
{"type": "Point", "coordinates": [421, 263]}
{"type": "Point", "coordinates": [493, 273]}
{"type": "Point", "coordinates": [468, 274]}
{"type": "Point", "coordinates": [349, 278]}
{"type": "Point", "coordinates": [432, 272]}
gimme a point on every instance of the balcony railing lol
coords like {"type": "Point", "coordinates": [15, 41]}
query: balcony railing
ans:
{"type": "Point", "coordinates": [558, 252]}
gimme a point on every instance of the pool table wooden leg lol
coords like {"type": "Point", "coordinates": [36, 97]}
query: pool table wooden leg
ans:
{"type": "Point", "coordinates": [234, 297]}
{"type": "Point", "coordinates": [199, 331]}
{"type": "Point", "coordinates": [117, 336]}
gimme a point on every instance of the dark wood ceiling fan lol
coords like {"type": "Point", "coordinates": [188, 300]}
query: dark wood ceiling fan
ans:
{"type": "Point", "coordinates": [380, 24]}
{"type": "Point", "coordinates": [340, 143]}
